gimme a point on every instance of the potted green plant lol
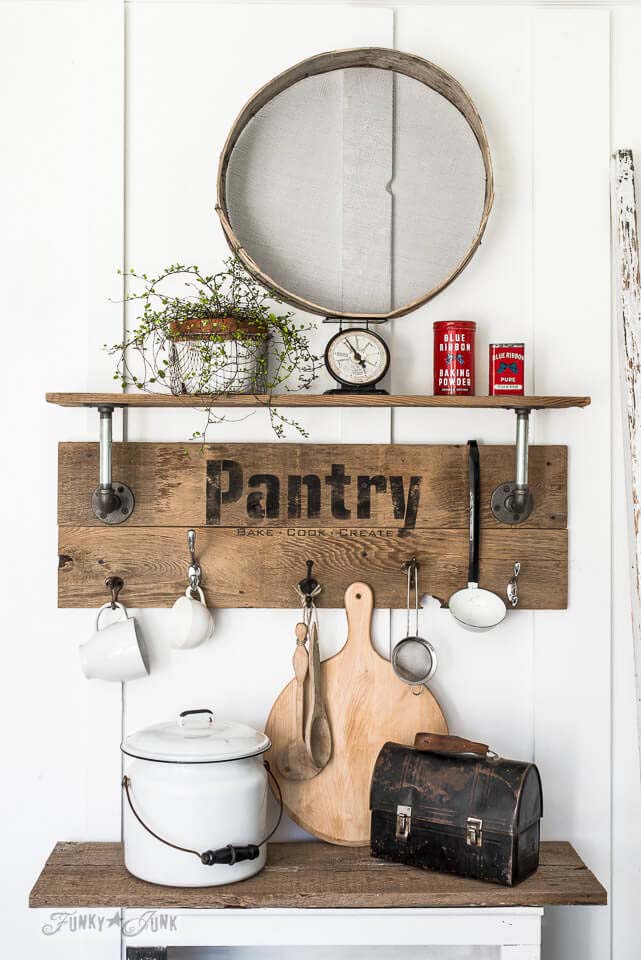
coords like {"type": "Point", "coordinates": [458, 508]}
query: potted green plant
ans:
{"type": "Point", "coordinates": [213, 334]}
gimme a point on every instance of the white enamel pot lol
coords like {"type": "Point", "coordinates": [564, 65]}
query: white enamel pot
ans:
{"type": "Point", "coordinates": [195, 801]}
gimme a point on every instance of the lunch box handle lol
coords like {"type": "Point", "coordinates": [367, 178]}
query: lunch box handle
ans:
{"type": "Point", "coordinates": [442, 743]}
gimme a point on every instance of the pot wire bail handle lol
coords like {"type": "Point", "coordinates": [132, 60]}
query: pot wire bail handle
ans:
{"type": "Point", "coordinates": [230, 854]}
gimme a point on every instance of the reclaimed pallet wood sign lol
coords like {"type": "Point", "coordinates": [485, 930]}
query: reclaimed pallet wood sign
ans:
{"type": "Point", "coordinates": [261, 510]}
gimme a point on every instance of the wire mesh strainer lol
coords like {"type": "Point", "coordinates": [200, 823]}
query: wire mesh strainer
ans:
{"type": "Point", "coordinates": [413, 658]}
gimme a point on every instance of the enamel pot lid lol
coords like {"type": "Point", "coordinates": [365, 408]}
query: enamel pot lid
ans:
{"type": "Point", "coordinates": [196, 737]}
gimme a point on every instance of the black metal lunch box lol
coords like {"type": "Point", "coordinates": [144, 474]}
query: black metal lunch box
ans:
{"type": "Point", "coordinates": [452, 805]}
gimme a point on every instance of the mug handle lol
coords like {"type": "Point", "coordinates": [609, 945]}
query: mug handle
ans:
{"type": "Point", "coordinates": [189, 593]}
{"type": "Point", "coordinates": [108, 606]}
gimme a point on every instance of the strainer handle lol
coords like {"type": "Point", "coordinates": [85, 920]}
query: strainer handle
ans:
{"type": "Point", "coordinates": [441, 743]}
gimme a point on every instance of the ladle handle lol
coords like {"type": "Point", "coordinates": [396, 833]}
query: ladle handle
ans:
{"type": "Point", "coordinates": [475, 507]}
{"type": "Point", "coordinates": [441, 743]}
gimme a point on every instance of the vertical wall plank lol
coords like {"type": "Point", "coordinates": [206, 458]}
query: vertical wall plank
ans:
{"type": "Point", "coordinates": [488, 696]}
{"type": "Point", "coordinates": [170, 215]}
{"type": "Point", "coordinates": [571, 121]}
{"type": "Point", "coordinates": [105, 135]}
{"type": "Point", "coordinates": [61, 200]}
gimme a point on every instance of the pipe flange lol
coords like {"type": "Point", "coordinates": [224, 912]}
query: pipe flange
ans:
{"type": "Point", "coordinates": [115, 505]}
{"type": "Point", "coordinates": [503, 504]}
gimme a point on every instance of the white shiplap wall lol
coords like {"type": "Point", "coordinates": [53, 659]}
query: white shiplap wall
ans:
{"type": "Point", "coordinates": [116, 114]}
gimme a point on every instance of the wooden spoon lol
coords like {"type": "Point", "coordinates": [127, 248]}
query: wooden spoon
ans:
{"type": "Point", "coordinates": [294, 762]}
{"type": "Point", "coordinates": [318, 735]}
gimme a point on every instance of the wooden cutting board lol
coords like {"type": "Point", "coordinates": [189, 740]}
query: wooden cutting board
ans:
{"type": "Point", "coordinates": [366, 706]}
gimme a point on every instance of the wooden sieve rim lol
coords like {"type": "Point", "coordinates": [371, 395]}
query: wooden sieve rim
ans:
{"type": "Point", "coordinates": [385, 59]}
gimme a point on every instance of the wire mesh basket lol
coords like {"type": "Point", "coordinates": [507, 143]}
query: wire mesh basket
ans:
{"type": "Point", "coordinates": [198, 365]}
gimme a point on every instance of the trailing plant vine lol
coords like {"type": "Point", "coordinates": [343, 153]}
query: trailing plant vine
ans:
{"type": "Point", "coordinates": [211, 334]}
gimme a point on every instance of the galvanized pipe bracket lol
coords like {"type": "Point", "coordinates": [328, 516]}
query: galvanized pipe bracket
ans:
{"type": "Point", "coordinates": [512, 502]}
{"type": "Point", "coordinates": [112, 502]}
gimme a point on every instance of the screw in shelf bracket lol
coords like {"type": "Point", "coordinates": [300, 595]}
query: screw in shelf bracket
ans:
{"type": "Point", "coordinates": [512, 502]}
{"type": "Point", "coordinates": [111, 502]}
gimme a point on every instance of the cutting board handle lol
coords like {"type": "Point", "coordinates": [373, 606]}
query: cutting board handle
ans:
{"type": "Point", "coordinates": [359, 605]}
{"type": "Point", "coordinates": [441, 743]}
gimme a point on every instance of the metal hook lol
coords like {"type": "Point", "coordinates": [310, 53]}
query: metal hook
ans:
{"type": "Point", "coordinates": [410, 567]}
{"type": "Point", "coordinates": [194, 573]}
{"type": "Point", "coordinates": [115, 584]}
{"type": "Point", "coordinates": [309, 587]}
{"type": "Point", "coordinates": [513, 586]}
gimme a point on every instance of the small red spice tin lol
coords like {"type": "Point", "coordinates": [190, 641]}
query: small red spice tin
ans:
{"type": "Point", "coordinates": [454, 358]}
{"type": "Point", "coordinates": [507, 368]}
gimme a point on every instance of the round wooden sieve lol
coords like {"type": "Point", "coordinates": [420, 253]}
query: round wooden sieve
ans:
{"type": "Point", "coordinates": [357, 184]}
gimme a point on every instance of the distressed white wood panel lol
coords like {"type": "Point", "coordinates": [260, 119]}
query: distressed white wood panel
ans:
{"type": "Point", "coordinates": [485, 685]}
{"type": "Point", "coordinates": [627, 315]}
{"type": "Point", "coordinates": [626, 794]}
{"type": "Point", "coordinates": [242, 670]}
{"type": "Point", "coordinates": [171, 180]}
{"type": "Point", "coordinates": [571, 119]}
{"type": "Point", "coordinates": [487, 49]}
{"type": "Point", "coordinates": [104, 136]}
{"type": "Point", "coordinates": [61, 200]}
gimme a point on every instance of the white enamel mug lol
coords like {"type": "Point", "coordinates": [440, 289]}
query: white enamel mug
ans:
{"type": "Point", "coordinates": [192, 623]}
{"type": "Point", "coordinates": [116, 651]}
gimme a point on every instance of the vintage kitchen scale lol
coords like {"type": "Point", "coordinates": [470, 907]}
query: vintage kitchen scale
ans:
{"type": "Point", "coordinates": [357, 186]}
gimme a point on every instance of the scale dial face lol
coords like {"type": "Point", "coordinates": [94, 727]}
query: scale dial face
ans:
{"type": "Point", "coordinates": [357, 357]}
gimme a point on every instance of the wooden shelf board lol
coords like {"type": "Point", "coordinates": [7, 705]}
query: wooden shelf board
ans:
{"type": "Point", "coordinates": [311, 400]}
{"type": "Point", "coordinates": [309, 875]}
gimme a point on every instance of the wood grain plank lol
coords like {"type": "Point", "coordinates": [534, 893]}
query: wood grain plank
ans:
{"type": "Point", "coordinates": [258, 568]}
{"type": "Point", "coordinates": [554, 853]}
{"type": "Point", "coordinates": [313, 400]}
{"type": "Point", "coordinates": [170, 482]}
{"type": "Point", "coordinates": [309, 875]}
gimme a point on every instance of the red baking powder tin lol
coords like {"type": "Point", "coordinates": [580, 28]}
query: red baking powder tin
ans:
{"type": "Point", "coordinates": [507, 369]}
{"type": "Point", "coordinates": [454, 358]}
